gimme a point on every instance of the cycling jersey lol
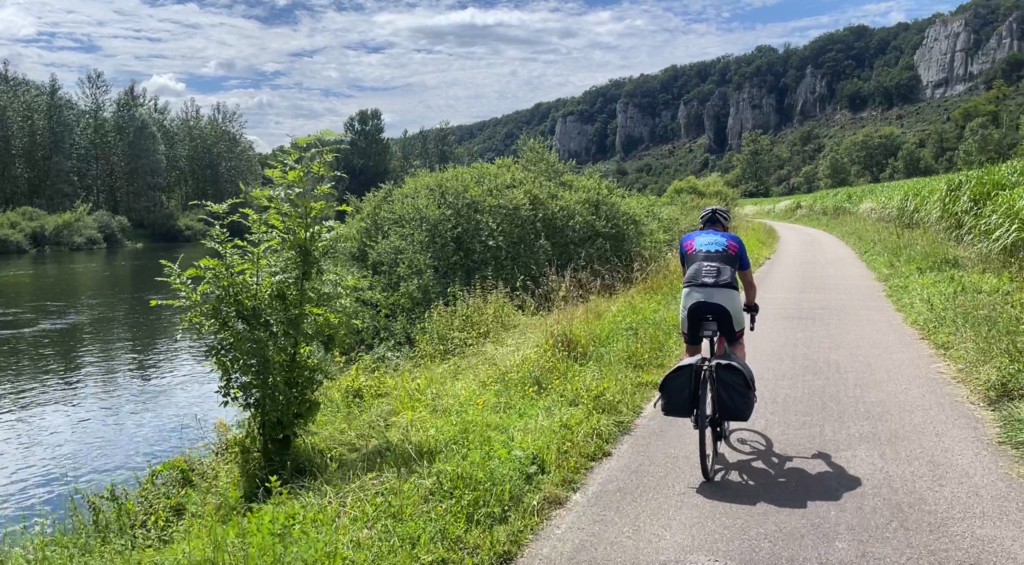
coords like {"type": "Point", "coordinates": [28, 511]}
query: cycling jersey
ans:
{"type": "Point", "coordinates": [712, 258]}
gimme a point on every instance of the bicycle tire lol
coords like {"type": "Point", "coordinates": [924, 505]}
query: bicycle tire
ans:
{"type": "Point", "coordinates": [706, 440]}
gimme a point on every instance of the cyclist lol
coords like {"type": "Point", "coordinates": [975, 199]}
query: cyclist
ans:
{"type": "Point", "coordinates": [711, 259]}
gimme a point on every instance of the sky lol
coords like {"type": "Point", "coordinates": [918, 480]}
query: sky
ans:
{"type": "Point", "coordinates": [298, 66]}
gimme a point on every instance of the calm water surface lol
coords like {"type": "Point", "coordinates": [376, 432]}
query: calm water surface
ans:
{"type": "Point", "coordinates": [94, 385]}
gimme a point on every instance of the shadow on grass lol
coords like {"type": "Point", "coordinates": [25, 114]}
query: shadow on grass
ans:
{"type": "Point", "coordinates": [766, 477]}
{"type": "Point", "coordinates": [318, 461]}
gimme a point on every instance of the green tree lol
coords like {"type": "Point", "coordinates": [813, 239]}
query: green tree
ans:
{"type": "Point", "coordinates": [941, 143]}
{"type": "Point", "coordinates": [808, 180]}
{"type": "Point", "coordinates": [896, 86]}
{"type": "Point", "coordinates": [854, 95]}
{"type": "Point", "coordinates": [754, 165]}
{"type": "Point", "coordinates": [983, 144]}
{"type": "Point", "coordinates": [834, 169]}
{"type": "Point", "coordinates": [94, 167]}
{"type": "Point", "coordinates": [270, 307]}
{"type": "Point", "coordinates": [912, 162]}
{"type": "Point", "coordinates": [870, 152]}
{"type": "Point", "coordinates": [367, 162]}
{"type": "Point", "coordinates": [128, 154]}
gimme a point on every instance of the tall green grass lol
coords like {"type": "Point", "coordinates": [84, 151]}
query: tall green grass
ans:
{"type": "Point", "coordinates": [949, 251]}
{"type": "Point", "coordinates": [439, 459]}
{"type": "Point", "coordinates": [983, 208]}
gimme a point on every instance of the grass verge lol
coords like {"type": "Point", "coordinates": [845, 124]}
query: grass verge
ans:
{"type": "Point", "coordinates": [455, 461]}
{"type": "Point", "coordinates": [967, 301]}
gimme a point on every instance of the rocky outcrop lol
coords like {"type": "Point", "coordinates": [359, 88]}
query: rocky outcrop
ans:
{"type": "Point", "coordinates": [635, 130]}
{"type": "Point", "coordinates": [812, 96]}
{"type": "Point", "coordinates": [572, 139]}
{"type": "Point", "coordinates": [716, 122]}
{"type": "Point", "coordinates": [752, 109]}
{"type": "Point", "coordinates": [691, 121]}
{"type": "Point", "coordinates": [944, 62]}
{"type": "Point", "coordinates": [1004, 41]}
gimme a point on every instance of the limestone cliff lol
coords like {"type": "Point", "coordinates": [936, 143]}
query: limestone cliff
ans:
{"type": "Point", "coordinates": [691, 121]}
{"type": "Point", "coordinates": [572, 139]}
{"type": "Point", "coordinates": [716, 122]}
{"type": "Point", "coordinates": [944, 62]}
{"type": "Point", "coordinates": [1004, 41]}
{"type": "Point", "coordinates": [751, 109]}
{"type": "Point", "coordinates": [635, 129]}
{"type": "Point", "coordinates": [812, 96]}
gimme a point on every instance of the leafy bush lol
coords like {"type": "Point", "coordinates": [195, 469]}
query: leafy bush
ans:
{"type": "Point", "coordinates": [507, 223]}
{"type": "Point", "coordinates": [834, 169]}
{"type": "Point", "coordinates": [113, 229]}
{"type": "Point", "coordinates": [271, 308]}
{"type": "Point", "coordinates": [150, 513]}
{"type": "Point", "coordinates": [696, 192]}
{"type": "Point", "coordinates": [12, 241]}
{"type": "Point", "coordinates": [983, 145]}
{"type": "Point", "coordinates": [912, 162]}
{"type": "Point", "coordinates": [74, 230]}
{"type": "Point", "coordinates": [191, 226]}
{"type": "Point", "coordinates": [24, 229]}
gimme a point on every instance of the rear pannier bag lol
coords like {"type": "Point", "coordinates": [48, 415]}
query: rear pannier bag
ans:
{"type": "Point", "coordinates": [679, 389]}
{"type": "Point", "coordinates": [737, 392]}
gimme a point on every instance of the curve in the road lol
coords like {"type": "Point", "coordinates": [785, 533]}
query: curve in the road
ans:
{"type": "Point", "coordinates": [859, 450]}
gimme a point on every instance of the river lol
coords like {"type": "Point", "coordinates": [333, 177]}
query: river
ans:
{"type": "Point", "coordinates": [94, 384]}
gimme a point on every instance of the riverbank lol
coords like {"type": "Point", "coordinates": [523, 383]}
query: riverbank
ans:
{"type": "Point", "coordinates": [427, 461]}
{"type": "Point", "coordinates": [947, 250]}
{"type": "Point", "coordinates": [26, 229]}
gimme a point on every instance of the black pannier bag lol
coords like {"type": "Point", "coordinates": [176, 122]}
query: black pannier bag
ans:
{"type": "Point", "coordinates": [737, 392]}
{"type": "Point", "coordinates": [679, 389]}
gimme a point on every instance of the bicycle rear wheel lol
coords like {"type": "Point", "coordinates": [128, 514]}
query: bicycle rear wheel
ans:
{"type": "Point", "coordinates": [705, 411]}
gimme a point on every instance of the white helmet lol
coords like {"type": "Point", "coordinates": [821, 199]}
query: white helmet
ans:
{"type": "Point", "coordinates": [715, 214]}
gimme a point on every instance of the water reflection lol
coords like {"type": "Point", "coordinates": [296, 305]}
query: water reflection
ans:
{"type": "Point", "coordinates": [93, 384]}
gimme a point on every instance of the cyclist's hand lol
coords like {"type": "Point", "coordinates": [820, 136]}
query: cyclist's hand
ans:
{"type": "Point", "coordinates": [752, 308]}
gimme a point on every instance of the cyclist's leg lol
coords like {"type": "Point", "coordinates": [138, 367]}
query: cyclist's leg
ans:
{"type": "Point", "coordinates": [733, 329]}
{"type": "Point", "coordinates": [691, 336]}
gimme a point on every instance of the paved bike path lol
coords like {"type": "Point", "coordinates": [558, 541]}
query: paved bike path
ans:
{"type": "Point", "coordinates": [910, 475]}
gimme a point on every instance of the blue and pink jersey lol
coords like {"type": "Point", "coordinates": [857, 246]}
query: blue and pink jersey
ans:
{"type": "Point", "coordinates": [712, 258]}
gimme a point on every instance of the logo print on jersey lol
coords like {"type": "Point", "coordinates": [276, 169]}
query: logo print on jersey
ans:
{"type": "Point", "coordinates": [711, 243]}
{"type": "Point", "coordinates": [709, 273]}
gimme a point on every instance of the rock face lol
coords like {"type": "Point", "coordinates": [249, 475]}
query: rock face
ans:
{"type": "Point", "coordinates": [943, 60]}
{"type": "Point", "coordinates": [716, 122]}
{"type": "Point", "coordinates": [635, 130]}
{"type": "Point", "coordinates": [812, 97]}
{"type": "Point", "coordinates": [749, 110]}
{"type": "Point", "coordinates": [1004, 41]}
{"type": "Point", "coordinates": [691, 121]}
{"type": "Point", "coordinates": [572, 138]}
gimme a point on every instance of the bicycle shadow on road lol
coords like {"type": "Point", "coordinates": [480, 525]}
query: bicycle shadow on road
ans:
{"type": "Point", "coordinates": [764, 477]}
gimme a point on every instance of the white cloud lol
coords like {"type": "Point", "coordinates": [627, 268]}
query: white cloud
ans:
{"type": "Point", "coordinates": [258, 143]}
{"type": "Point", "coordinates": [16, 23]}
{"type": "Point", "coordinates": [164, 85]}
{"type": "Point", "coordinates": [420, 61]}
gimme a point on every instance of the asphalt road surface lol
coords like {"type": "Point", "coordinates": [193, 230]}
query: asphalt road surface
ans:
{"type": "Point", "coordinates": [859, 449]}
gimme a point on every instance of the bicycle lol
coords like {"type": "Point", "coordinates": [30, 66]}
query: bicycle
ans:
{"type": "Point", "coordinates": [708, 425]}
